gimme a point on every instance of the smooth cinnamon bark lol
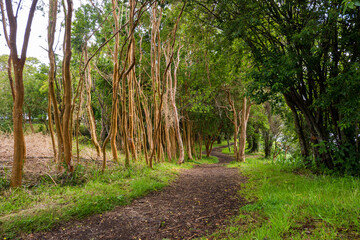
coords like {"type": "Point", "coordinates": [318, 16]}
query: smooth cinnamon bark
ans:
{"type": "Point", "coordinates": [66, 119]}
{"type": "Point", "coordinates": [18, 89]}
{"type": "Point", "coordinates": [53, 4]}
{"type": "Point", "coordinates": [89, 110]}
{"type": "Point", "coordinates": [243, 127]}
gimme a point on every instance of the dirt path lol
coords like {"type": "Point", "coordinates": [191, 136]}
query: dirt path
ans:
{"type": "Point", "coordinates": [196, 204]}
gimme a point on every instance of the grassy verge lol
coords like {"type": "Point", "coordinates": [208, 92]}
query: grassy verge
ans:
{"type": "Point", "coordinates": [287, 205]}
{"type": "Point", "coordinates": [226, 150]}
{"type": "Point", "coordinates": [216, 144]}
{"type": "Point", "coordinates": [84, 193]}
{"type": "Point", "coordinates": [231, 151]}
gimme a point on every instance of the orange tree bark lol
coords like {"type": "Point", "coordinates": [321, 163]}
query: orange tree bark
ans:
{"type": "Point", "coordinates": [90, 113]}
{"type": "Point", "coordinates": [18, 66]}
{"type": "Point", "coordinates": [53, 4]}
{"type": "Point", "coordinates": [67, 128]}
{"type": "Point", "coordinates": [243, 127]}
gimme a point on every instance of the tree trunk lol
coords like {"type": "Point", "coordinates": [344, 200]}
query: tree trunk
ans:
{"type": "Point", "coordinates": [316, 126]}
{"type": "Point", "coordinates": [200, 145]}
{"type": "Point", "coordinates": [51, 36]}
{"type": "Point", "coordinates": [267, 143]}
{"type": "Point", "coordinates": [89, 110]}
{"type": "Point", "coordinates": [175, 111]}
{"type": "Point", "coordinates": [167, 136]}
{"type": "Point", "coordinates": [19, 143]}
{"type": "Point", "coordinates": [77, 120]}
{"type": "Point", "coordinates": [236, 127]}
{"type": "Point", "coordinates": [228, 143]}
{"type": "Point", "coordinates": [244, 121]}
{"type": "Point", "coordinates": [131, 80]}
{"type": "Point", "coordinates": [114, 112]}
{"type": "Point", "coordinates": [188, 138]}
{"type": "Point", "coordinates": [51, 127]}
{"type": "Point", "coordinates": [18, 93]}
{"type": "Point", "coordinates": [30, 121]}
{"type": "Point", "coordinates": [207, 146]}
{"type": "Point", "coordinates": [173, 142]}
{"type": "Point", "coordinates": [67, 126]}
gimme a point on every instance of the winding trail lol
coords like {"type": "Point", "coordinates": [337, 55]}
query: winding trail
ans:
{"type": "Point", "coordinates": [196, 204]}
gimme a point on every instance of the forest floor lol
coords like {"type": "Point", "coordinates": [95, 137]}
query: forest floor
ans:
{"type": "Point", "coordinates": [199, 202]}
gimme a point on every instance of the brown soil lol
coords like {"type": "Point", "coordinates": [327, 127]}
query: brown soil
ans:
{"type": "Point", "coordinates": [196, 204]}
{"type": "Point", "coordinates": [39, 157]}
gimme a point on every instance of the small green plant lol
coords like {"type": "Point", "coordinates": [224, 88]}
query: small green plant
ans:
{"type": "Point", "coordinates": [4, 183]}
{"type": "Point", "coordinates": [6, 126]}
{"type": "Point", "coordinates": [76, 178]}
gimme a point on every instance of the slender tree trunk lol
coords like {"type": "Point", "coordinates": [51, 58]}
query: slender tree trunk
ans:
{"type": "Point", "coordinates": [175, 113]}
{"type": "Point", "coordinates": [124, 124]}
{"type": "Point", "coordinates": [173, 142]}
{"type": "Point", "coordinates": [236, 131]}
{"type": "Point", "coordinates": [30, 121]}
{"type": "Point", "coordinates": [77, 120]}
{"type": "Point", "coordinates": [228, 143]}
{"type": "Point", "coordinates": [200, 145]}
{"type": "Point", "coordinates": [51, 36]}
{"type": "Point", "coordinates": [209, 141]}
{"type": "Point", "coordinates": [244, 121]}
{"type": "Point", "coordinates": [207, 146]}
{"type": "Point", "coordinates": [18, 92]}
{"type": "Point", "coordinates": [142, 124]}
{"type": "Point", "coordinates": [51, 127]}
{"type": "Point", "coordinates": [193, 149]}
{"type": "Point", "coordinates": [114, 113]}
{"type": "Point", "coordinates": [19, 144]}
{"type": "Point", "coordinates": [236, 127]}
{"type": "Point", "coordinates": [167, 104]}
{"type": "Point", "coordinates": [131, 80]}
{"type": "Point", "coordinates": [167, 136]}
{"type": "Point", "coordinates": [90, 113]}
{"type": "Point", "coordinates": [267, 143]}
{"type": "Point", "coordinates": [188, 138]}
{"type": "Point", "coordinates": [67, 127]}
{"type": "Point", "coordinates": [267, 134]}
{"type": "Point", "coordinates": [149, 126]}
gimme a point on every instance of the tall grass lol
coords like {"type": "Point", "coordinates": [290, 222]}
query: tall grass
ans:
{"type": "Point", "coordinates": [287, 205]}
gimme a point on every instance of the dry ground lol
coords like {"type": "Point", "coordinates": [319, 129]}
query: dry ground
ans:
{"type": "Point", "coordinates": [39, 156]}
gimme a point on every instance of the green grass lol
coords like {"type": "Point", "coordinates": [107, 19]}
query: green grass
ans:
{"type": "Point", "coordinates": [40, 207]}
{"type": "Point", "coordinates": [226, 150]}
{"type": "Point", "coordinates": [287, 205]}
{"type": "Point", "coordinates": [216, 144]}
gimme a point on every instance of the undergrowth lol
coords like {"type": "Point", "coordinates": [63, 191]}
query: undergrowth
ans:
{"type": "Point", "coordinates": [287, 204]}
{"type": "Point", "coordinates": [85, 192]}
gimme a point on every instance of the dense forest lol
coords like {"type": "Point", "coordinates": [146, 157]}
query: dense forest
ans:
{"type": "Point", "coordinates": [150, 82]}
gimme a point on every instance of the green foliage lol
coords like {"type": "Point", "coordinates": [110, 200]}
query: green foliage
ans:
{"type": "Point", "coordinates": [350, 4]}
{"type": "Point", "coordinates": [35, 84]}
{"type": "Point", "coordinates": [5, 97]}
{"type": "Point", "coordinates": [305, 52]}
{"type": "Point", "coordinates": [4, 183]}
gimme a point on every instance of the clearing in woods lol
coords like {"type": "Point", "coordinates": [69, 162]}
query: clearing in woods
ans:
{"type": "Point", "coordinates": [196, 204]}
